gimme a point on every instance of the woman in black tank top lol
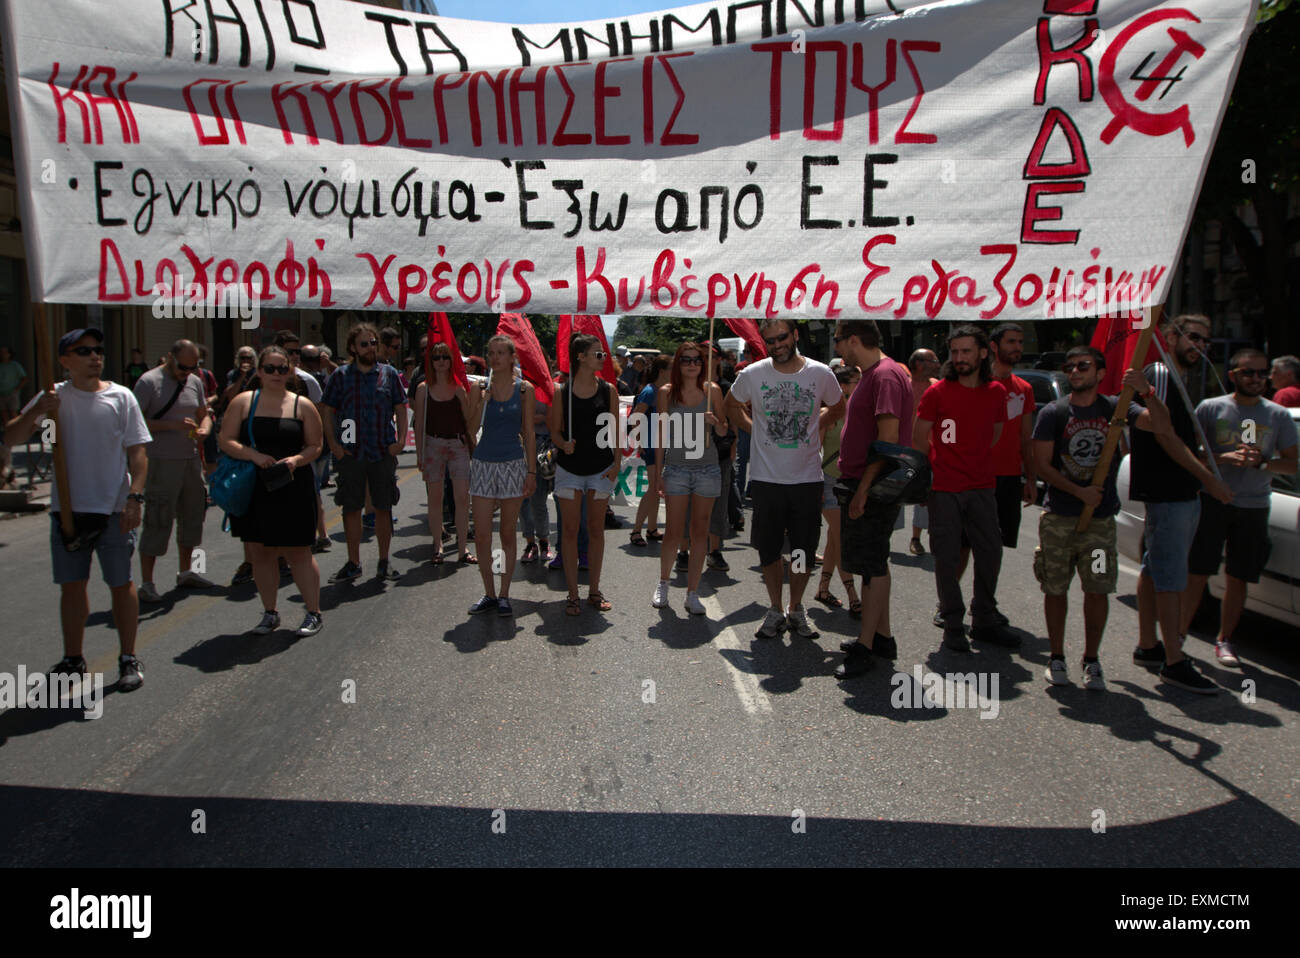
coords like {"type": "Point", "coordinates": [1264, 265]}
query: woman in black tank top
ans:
{"type": "Point", "coordinates": [281, 520]}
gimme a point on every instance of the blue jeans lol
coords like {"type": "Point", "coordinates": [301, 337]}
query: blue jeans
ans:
{"type": "Point", "coordinates": [742, 462]}
{"type": "Point", "coordinates": [535, 513]}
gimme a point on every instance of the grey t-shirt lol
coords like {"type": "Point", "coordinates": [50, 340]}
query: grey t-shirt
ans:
{"type": "Point", "coordinates": [153, 391]}
{"type": "Point", "coordinates": [1227, 422]}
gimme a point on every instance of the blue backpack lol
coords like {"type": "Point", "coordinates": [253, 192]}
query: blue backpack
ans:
{"type": "Point", "coordinates": [231, 484]}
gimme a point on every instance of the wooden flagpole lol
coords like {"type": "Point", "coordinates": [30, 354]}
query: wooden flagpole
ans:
{"type": "Point", "coordinates": [708, 382]}
{"type": "Point", "coordinates": [45, 360]}
{"type": "Point", "coordinates": [1120, 417]}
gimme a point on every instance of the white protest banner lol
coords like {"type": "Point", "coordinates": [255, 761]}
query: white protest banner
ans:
{"type": "Point", "coordinates": [978, 159]}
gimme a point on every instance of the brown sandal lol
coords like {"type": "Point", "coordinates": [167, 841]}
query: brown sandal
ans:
{"type": "Point", "coordinates": [598, 601]}
{"type": "Point", "coordinates": [573, 607]}
{"type": "Point", "coordinates": [467, 558]}
{"type": "Point", "coordinates": [828, 600]}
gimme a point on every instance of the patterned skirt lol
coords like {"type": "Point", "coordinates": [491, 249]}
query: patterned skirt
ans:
{"type": "Point", "coordinates": [497, 480]}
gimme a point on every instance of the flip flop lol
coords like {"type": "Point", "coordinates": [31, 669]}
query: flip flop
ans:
{"type": "Point", "coordinates": [468, 559]}
{"type": "Point", "coordinates": [828, 600]}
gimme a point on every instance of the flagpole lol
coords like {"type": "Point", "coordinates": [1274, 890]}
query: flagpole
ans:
{"type": "Point", "coordinates": [1120, 416]}
{"type": "Point", "coordinates": [708, 383]}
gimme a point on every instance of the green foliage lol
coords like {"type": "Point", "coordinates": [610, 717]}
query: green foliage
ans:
{"type": "Point", "coordinates": [665, 333]}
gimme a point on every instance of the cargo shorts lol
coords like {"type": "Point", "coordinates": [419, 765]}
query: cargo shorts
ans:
{"type": "Point", "coordinates": [1061, 550]}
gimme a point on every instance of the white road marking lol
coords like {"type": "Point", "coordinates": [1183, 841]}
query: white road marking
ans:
{"type": "Point", "coordinates": [1130, 569]}
{"type": "Point", "coordinates": [752, 697]}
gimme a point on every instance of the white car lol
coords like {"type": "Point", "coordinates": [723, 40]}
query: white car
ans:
{"type": "Point", "coordinates": [1277, 594]}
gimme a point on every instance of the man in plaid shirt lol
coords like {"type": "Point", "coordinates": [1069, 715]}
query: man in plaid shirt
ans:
{"type": "Point", "coordinates": [358, 407]}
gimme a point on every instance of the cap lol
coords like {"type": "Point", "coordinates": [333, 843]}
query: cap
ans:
{"type": "Point", "coordinates": [69, 339]}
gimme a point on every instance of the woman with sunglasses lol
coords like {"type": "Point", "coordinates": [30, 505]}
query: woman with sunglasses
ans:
{"type": "Point", "coordinates": [286, 438]}
{"type": "Point", "coordinates": [691, 474]}
{"type": "Point", "coordinates": [656, 375]}
{"type": "Point", "coordinates": [585, 465]}
{"type": "Point", "coordinates": [503, 469]}
{"type": "Point", "coordinates": [442, 447]}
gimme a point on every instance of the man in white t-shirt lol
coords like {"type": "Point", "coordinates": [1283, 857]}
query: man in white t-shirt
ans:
{"type": "Point", "coordinates": [103, 435]}
{"type": "Point", "coordinates": [786, 392]}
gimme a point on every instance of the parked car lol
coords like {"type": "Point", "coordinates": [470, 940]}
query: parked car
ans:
{"type": "Point", "coordinates": [1277, 594]}
{"type": "Point", "coordinates": [1048, 386]}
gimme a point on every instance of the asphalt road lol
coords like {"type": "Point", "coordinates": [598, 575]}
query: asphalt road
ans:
{"type": "Point", "coordinates": [540, 740]}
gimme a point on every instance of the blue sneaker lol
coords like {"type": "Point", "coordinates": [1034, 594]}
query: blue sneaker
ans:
{"type": "Point", "coordinates": [368, 520]}
{"type": "Point", "coordinates": [486, 604]}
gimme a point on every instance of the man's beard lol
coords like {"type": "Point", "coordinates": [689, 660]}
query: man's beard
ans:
{"type": "Point", "coordinates": [1010, 359]}
{"type": "Point", "coordinates": [1082, 388]}
{"type": "Point", "coordinates": [1251, 389]}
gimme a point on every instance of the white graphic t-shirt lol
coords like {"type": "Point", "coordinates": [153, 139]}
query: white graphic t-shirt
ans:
{"type": "Point", "coordinates": [786, 446]}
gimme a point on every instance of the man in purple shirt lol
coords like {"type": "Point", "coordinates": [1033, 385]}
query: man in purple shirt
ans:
{"type": "Point", "coordinates": [880, 408]}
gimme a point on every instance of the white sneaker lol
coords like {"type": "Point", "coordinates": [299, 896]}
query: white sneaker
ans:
{"type": "Point", "coordinates": [693, 604]}
{"type": "Point", "coordinates": [148, 593]}
{"type": "Point", "coordinates": [660, 600]}
{"type": "Point", "coordinates": [1092, 677]}
{"type": "Point", "coordinates": [797, 622]}
{"type": "Point", "coordinates": [1057, 673]}
{"type": "Point", "coordinates": [192, 580]}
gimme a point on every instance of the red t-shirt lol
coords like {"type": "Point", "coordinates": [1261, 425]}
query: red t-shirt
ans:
{"type": "Point", "coordinates": [961, 439]}
{"type": "Point", "coordinates": [1020, 402]}
{"type": "Point", "coordinates": [1288, 396]}
{"type": "Point", "coordinates": [885, 390]}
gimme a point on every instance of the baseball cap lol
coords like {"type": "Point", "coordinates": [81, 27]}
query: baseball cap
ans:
{"type": "Point", "coordinates": [69, 339]}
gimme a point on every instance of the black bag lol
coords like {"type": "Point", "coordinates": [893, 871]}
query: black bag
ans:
{"type": "Point", "coordinates": [87, 527]}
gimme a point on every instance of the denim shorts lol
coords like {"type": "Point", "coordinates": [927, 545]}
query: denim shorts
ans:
{"type": "Point", "coordinates": [829, 502]}
{"type": "Point", "coordinates": [703, 481]}
{"type": "Point", "coordinates": [114, 548]}
{"type": "Point", "coordinates": [581, 485]}
{"type": "Point", "coordinates": [1170, 529]}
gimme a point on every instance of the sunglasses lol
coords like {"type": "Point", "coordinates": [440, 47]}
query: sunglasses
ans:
{"type": "Point", "coordinates": [87, 350]}
{"type": "Point", "coordinates": [367, 343]}
{"type": "Point", "coordinates": [1257, 373]}
{"type": "Point", "coordinates": [276, 370]}
{"type": "Point", "coordinates": [778, 340]}
{"type": "Point", "coordinates": [442, 359]}
{"type": "Point", "coordinates": [599, 355]}
{"type": "Point", "coordinates": [692, 360]}
{"type": "Point", "coordinates": [1083, 365]}
{"type": "Point", "coordinates": [1194, 337]}
{"type": "Point", "coordinates": [186, 369]}
{"type": "Point", "coordinates": [839, 339]}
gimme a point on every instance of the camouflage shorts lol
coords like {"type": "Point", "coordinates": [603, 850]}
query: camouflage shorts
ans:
{"type": "Point", "coordinates": [1061, 550]}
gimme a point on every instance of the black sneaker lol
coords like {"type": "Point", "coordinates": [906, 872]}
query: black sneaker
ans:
{"type": "Point", "coordinates": [1184, 675]}
{"type": "Point", "coordinates": [996, 635]}
{"type": "Point", "coordinates": [955, 639]}
{"type": "Point", "coordinates": [714, 560]}
{"type": "Point", "coordinates": [351, 570]}
{"type": "Point", "coordinates": [1152, 656]}
{"type": "Point", "coordinates": [386, 572]}
{"type": "Point", "coordinates": [683, 561]}
{"type": "Point", "coordinates": [311, 624]}
{"type": "Point", "coordinates": [243, 574]}
{"type": "Point", "coordinates": [70, 665]}
{"type": "Point", "coordinates": [485, 604]}
{"type": "Point", "coordinates": [130, 673]}
{"type": "Point", "coordinates": [884, 646]}
{"type": "Point", "coordinates": [857, 661]}
{"type": "Point", "coordinates": [269, 623]}
{"type": "Point", "coordinates": [938, 619]}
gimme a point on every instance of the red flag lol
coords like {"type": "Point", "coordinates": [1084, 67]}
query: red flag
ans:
{"type": "Point", "coordinates": [583, 324]}
{"type": "Point", "coordinates": [440, 332]}
{"type": "Point", "coordinates": [1117, 338]}
{"type": "Point", "coordinates": [532, 361]}
{"type": "Point", "coordinates": [747, 329]}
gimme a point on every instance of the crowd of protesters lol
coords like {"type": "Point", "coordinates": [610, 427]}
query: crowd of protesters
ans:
{"type": "Point", "coordinates": [803, 443]}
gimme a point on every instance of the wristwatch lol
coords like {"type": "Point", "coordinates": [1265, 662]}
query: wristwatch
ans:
{"type": "Point", "coordinates": [136, 497]}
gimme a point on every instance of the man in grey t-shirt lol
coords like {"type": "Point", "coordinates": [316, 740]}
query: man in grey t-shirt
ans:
{"type": "Point", "coordinates": [175, 408]}
{"type": "Point", "coordinates": [1251, 439]}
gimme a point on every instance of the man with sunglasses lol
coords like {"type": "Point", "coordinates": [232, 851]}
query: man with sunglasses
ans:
{"type": "Point", "coordinates": [103, 435]}
{"type": "Point", "coordinates": [1167, 476]}
{"type": "Point", "coordinates": [1251, 439]}
{"type": "Point", "coordinates": [786, 392]}
{"type": "Point", "coordinates": [172, 398]}
{"type": "Point", "coordinates": [1068, 439]}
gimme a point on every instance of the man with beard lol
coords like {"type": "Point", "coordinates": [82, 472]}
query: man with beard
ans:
{"type": "Point", "coordinates": [1166, 475]}
{"type": "Point", "coordinates": [1068, 440]}
{"type": "Point", "coordinates": [1013, 456]}
{"type": "Point", "coordinates": [958, 423]}
{"type": "Point", "coordinates": [786, 392]}
{"type": "Point", "coordinates": [1250, 438]}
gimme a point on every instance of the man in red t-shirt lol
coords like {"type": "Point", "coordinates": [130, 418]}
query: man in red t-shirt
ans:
{"type": "Point", "coordinates": [1285, 377]}
{"type": "Point", "coordinates": [1013, 456]}
{"type": "Point", "coordinates": [958, 422]}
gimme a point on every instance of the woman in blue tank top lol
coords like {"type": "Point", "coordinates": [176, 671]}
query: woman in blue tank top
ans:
{"type": "Point", "coordinates": [504, 468]}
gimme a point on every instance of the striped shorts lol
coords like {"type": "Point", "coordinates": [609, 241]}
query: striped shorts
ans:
{"type": "Point", "coordinates": [497, 480]}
